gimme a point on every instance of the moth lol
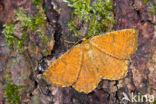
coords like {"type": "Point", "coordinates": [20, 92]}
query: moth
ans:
{"type": "Point", "coordinates": [104, 56]}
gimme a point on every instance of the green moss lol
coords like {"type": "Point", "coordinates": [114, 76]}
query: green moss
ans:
{"type": "Point", "coordinates": [27, 22]}
{"type": "Point", "coordinates": [12, 92]}
{"type": "Point", "coordinates": [45, 52]}
{"type": "Point", "coordinates": [154, 101]}
{"type": "Point", "coordinates": [72, 27]}
{"type": "Point", "coordinates": [41, 36]}
{"type": "Point", "coordinates": [145, 1]}
{"type": "Point", "coordinates": [37, 2]}
{"type": "Point", "coordinates": [152, 10]}
{"type": "Point", "coordinates": [24, 18]}
{"type": "Point", "coordinates": [11, 39]}
{"type": "Point", "coordinates": [150, 6]}
{"type": "Point", "coordinates": [97, 13]}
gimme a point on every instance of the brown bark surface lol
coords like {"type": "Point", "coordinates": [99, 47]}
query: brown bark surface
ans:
{"type": "Point", "coordinates": [141, 77]}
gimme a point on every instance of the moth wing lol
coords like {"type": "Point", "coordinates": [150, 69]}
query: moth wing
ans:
{"type": "Point", "coordinates": [88, 77]}
{"type": "Point", "coordinates": [120, 44]}
{"type": "Point", "coordinates": [109, 67]}
{"type": "Point", "coordinates": [64, 71]}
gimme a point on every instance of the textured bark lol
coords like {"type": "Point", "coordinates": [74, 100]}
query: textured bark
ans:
{"type": "Point", "coordinates": [141, 77]}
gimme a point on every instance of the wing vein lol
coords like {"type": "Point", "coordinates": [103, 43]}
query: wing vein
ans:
{"type": "Point", "coordinates": [105, 52]}
{"type": "Point", "coordinates": [82, 59]}
{"type": "Point", "coordinates": [93, 61]}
